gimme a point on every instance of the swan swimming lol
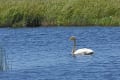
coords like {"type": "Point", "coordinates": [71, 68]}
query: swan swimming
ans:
{"type": "Point", "coordinates": [83, 51]}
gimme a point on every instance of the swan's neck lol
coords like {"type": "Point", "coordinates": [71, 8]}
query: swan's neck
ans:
{"type": "Point", "coordinates": [74, 46]}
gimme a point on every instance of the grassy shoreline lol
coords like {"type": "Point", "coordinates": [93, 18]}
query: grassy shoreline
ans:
{"type": "Point", "coordinates": [28, 13]}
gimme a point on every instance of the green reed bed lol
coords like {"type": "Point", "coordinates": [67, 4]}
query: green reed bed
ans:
{"type": "Point", "coordinates": [22, 13]}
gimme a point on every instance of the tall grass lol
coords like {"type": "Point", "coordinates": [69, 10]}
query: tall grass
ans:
{"type": "Point", "coordinates": [22, 13]}
{"type": "Point", "coordinates": [3, 60]}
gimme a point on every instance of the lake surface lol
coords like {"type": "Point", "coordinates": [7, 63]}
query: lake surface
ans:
{"type": "Point", "coordinates": [45, 53]}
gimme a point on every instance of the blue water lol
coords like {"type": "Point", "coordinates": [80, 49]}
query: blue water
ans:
{"type": "Point", "coordinates": [45, 53]}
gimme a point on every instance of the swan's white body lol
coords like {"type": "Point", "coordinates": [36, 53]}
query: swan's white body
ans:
{"type": "Point", "coordinates": [83, 51]}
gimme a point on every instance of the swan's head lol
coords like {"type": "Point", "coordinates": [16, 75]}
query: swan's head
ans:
{"type": "Point", "coordinates": [73, 38]}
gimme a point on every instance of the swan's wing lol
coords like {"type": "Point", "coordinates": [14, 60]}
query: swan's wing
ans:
{"type": "Point", "coordinates": [79, 51]}
{"type": "Point", "coordinates": [84, 51]}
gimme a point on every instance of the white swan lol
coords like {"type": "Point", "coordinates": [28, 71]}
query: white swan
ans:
{"type": "Point", "coordinates": [83, 51]}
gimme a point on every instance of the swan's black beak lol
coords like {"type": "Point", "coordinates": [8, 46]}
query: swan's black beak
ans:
{"type": "Point", "coordinates": [70, 38]}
